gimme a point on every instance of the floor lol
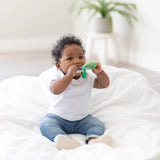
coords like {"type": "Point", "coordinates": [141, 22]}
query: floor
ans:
{"type": "Point", "coordinates": [24, 63]}
{"type": "Point", "coordinates": [33, 63]}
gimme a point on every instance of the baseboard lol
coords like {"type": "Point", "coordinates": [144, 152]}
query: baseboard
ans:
{"type": "Point", "coordinates": [27, 44]}
{"type": "Point", "coordinates": [146, 60]}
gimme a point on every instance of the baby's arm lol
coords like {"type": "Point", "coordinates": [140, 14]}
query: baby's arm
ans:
{"type": "Point", "coordinates": [58, 86]}
{"type": "Point", "coordinates": [102, 79]}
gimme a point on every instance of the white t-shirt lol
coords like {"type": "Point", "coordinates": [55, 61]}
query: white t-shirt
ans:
{"type": "Point", "coordinates": [73, 103]}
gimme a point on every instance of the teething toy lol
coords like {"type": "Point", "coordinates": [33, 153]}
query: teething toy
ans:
{"type": "Point", "coordinates": [84, 68]}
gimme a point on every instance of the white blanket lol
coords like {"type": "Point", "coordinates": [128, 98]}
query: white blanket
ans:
{"type": "Point", "coordinates": [129, 108]}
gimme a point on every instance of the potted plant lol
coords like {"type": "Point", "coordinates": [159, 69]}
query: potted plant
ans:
{"type": "Point", "coordinates": [105, 8]}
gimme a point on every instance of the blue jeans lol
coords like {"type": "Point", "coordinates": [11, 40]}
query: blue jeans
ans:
{"type": "Point", "coordinates": [53, 125]}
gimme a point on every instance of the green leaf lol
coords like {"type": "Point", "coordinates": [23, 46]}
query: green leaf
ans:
{"type": "Point", "coordinates": [127, 6]}
{"type": "Point", "coordinates": [127, 16]}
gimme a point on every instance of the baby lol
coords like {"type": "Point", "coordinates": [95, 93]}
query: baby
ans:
{"type": "Point", "coordinates": [70, 113]}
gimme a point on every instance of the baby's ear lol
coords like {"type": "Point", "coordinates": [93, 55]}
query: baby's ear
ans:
{"type": "Point", "coordinates": [58, 65]}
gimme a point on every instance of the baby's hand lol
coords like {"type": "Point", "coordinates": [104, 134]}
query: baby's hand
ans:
{"type": "Point", "coordinates": [72, 71]}
{"type": "Point", "coordinates": [98, 69]}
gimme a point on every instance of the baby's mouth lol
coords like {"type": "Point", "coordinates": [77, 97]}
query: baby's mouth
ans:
{"type": "Point", "coordinates": [76, 77]}
{"type": "Point", "coordinates": [79, 70]}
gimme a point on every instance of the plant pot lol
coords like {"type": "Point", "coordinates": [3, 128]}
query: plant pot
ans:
{"type": "Point", "coordinates": [99, 25]}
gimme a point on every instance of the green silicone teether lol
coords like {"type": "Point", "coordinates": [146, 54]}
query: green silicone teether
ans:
{"type": "Point", "coordinates": [83, 73]}
{"type": "Point", "coordinates": [89, 65]}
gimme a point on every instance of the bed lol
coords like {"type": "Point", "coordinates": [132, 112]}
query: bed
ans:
{"type": "Point", "coordinates": [129, 108]}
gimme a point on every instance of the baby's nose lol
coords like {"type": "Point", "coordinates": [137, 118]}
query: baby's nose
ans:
{"type": "Point", "coordinates": [77, 61]}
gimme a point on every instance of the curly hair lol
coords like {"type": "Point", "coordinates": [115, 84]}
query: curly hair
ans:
{"type": "Point", "coordinates": [65, 40]}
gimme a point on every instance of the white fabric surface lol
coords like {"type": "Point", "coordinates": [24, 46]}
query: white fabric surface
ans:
{"type": "Point", "coordinates": [129, 108]}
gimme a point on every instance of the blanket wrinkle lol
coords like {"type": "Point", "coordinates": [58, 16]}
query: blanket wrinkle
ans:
{"type": "Point", "coordinates": [129, 108]}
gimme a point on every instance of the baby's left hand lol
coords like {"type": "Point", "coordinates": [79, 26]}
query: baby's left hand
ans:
{"type": "Point", "coordinates": [98, 69]}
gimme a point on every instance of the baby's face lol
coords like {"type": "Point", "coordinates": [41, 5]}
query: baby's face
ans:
{"type": "Point", "coordinates": [71, 55]}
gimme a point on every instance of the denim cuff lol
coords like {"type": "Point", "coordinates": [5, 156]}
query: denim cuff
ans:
{"type": "Point", "coordinates": [89, 136]}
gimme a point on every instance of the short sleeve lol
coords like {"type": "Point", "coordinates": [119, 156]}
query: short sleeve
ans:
{"type": "Point", "coordinates": [50, 75]}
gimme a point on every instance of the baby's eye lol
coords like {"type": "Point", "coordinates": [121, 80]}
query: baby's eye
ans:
{"type": "Point", "coordinates": [70, 58]}
{"type": "Point", "coordinates": [81, 57]}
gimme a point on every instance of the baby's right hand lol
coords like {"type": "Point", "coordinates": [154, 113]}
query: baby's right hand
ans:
{"type": "Point", "coordinates": [72, 71]}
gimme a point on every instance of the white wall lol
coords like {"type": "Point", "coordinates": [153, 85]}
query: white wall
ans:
{"type": "Point", "coordinates": [139, 45]}
{"type": "Point", "coordinates": [35, 24]}
{"type": "Point", "coordinates": [144, 39]}
{"type": "Point", "coordinates": [29, 24]}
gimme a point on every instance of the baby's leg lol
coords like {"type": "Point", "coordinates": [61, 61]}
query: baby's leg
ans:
{"type": "Point", "coordinates": [51, 128]}
{"type": "Point", "coordinates": [94, 130]}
